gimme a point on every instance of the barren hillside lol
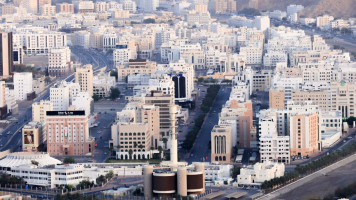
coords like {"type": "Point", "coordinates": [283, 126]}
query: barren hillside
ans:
{"type": "Point", "coordinates": [337, 8]}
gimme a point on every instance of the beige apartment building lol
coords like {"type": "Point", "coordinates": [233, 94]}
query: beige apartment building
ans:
{"type": "Point", "coordinates": [304, 134]}
{"type": "Point", "coordinates": [343, 98]}
{"type": "Point", "coordinates": [225, 6]}
{"type": "Point", "coordinates": [65, 8]}
{"type": "Point", "coordinates": [164, 102]}
{"type": "Point", "coordinates": [221, 144]}
{"type": "Point", "coordinates": [276, 99]}
{"type": "Point", "coordinates": [135, 141]}
{"type": "Point", "coordinates": [84, 76]}
{"type": "Point", "coordinates": [138, 66]}
{"type": "Point", "coordinates": [320, 98]}
{"type": "Point", "coordinates": [39, 110]}
{"type": "Point", "coordinates": [261, 80]}
{"type": "Point", "coordinates": [48, 9]}
{"type": "Point", "coordinates": [137, 129]}
{"type": "Point", "coordinates": [7, 9]}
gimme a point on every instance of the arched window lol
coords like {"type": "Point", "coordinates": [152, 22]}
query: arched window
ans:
{"type": "Point", "coordinates": [216, 158]}
{"type": "Point", "coordinates": [224, 158]}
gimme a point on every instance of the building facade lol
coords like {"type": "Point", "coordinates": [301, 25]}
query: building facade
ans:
{"type": "Point", "coordinates": [68, 133]}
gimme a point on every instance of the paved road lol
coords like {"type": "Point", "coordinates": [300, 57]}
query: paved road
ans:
{"type": "Point", "coordinates": [321, 183]}
{"type": "Point", "coordinates": [200, 148]}
{"type": "Point", "coordinates": [91, 56]}
{"type": "Point", "coordinates": [13, 140]}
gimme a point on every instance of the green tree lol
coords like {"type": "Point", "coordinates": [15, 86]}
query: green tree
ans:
{"type": "Point", "coordinates": [114, 73]}
{"type": "Point", "coordinates": [47, 79]}
{"type": "Point", "coordinates": [34, 162]}
{"type": "Point", "coordinates": [114, 93]}
{"type": "Point", "coordinates": [130, 153]}
{"type": "Point", "coordinates": [110, 174]}
{"type": "Point", "coordinates": [149, 21]}
{"type": "Point", "coordinates": [160, 149]}
{"type": "Point", "coordinates": [165, 140]}
{"type": "Point", "coordinates": [96, 97]}
{"type": "Point", "coordinates": [100, 180]}
{"type": "Point", "coordinates": [235, 171]}
{"type": "Point", "coordinates": [68, 160]}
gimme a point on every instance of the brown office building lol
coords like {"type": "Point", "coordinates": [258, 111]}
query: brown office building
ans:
{"type": "Point", "coordinates": [6, 54]}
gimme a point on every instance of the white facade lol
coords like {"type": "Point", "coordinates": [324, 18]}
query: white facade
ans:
{"type": "Point", "coordinates": [102, 84]}
{"type": "Point", "coordinates": [59, 61]}
{"type": "Point", "coordinates": [122, 56]}
{"type": "Point", "coordinates": [272, 146]}
{"type": "Point", "coordinates": [61, 95]}
{"type": "Point", "coordinates": [22, 85]}
{"type": "Point", "coordinates": [52, 177]}
{"type": "Point", "coordinates": [271, 59]}
{"type": "Point", "coordinates": [260, 172]}
{"type": "Point", "coordinates": [83, 101]}
{"type": "Point", "coordinates": [262, 22]}
{"type": "Point", "coordinates": [39, 42]}
{"type": "Point", "coordinates": [253, 54]}
{"type": "Point", "coordinates": [330, 127]}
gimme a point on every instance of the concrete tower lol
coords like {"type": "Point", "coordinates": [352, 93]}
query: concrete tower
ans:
{"type": "Point", "coordinates": [174, 151]}
{"type": "Point", "coordinates": [182, 181]}
{"type": "Point", "coordinates": [147, 174]}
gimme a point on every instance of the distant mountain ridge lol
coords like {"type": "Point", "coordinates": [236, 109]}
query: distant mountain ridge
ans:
{"type": "Point", "coordinates": [313, 8]}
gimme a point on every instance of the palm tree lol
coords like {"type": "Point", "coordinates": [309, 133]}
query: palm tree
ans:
{"type": "Point", "coordinates": [160, 151]}
{"type": "Point", "coordinates": [130, 153]}
{"type": "Point", "coordinates": [165, 142]}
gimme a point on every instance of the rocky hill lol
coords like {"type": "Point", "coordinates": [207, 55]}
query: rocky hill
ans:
{"type": "Point", "coordinates": [313, 8]}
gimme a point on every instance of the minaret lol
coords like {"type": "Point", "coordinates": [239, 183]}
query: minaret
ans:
{"type": "Point", "coordinates": [174, 151]}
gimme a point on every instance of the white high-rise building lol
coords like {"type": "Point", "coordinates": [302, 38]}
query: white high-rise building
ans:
{"type": "Point", "coordinates": [262, 22]}
{"type": "Point", "coordinates": [59, 96]}
{"type": "Point", "coordinates": [59, 61]}
{"type": "Point", "coordinates": [22, 85]}
{"type": "Point", "coordinates": [272, 146]}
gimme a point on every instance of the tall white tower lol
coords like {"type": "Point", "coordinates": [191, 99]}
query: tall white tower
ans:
{"type": "Point", "coordinates": [174, 151]}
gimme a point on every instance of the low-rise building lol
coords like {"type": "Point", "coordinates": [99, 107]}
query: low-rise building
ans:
{"type": "Point", "coordinates": [138, 66]}
{"type": "Point", "coordinates": [55, 176]}
{"type": "Point", "coordinates": [39, 110]}
{"type": "Point", "coordinates": [255, 175]}
{"type": "Point", "coordinates": [32, 136]}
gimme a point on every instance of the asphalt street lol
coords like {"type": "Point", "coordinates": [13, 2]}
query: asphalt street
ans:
{"type": "Point", "coordinates": [200, 149]}
{"type": "Point", "coordinates": [13, 140]}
